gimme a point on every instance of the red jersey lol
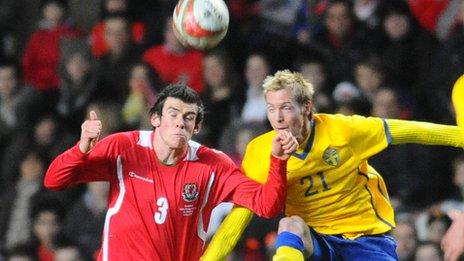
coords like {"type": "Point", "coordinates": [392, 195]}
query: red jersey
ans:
{"type": "Point", "coordinates": [171, 67]}
{"type": "Point", "coordinates": [159, 212]}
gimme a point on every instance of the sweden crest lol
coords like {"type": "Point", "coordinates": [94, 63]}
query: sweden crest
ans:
{"type": "Point", "coordinates": [331, 156]}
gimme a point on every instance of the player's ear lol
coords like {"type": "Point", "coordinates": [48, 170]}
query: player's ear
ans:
{"type": "Point", "coordinates": [155, 120]}
{"type": "Point", "coordinates": [197, 128]}
{"type": "Point", "coordinates": [308, 108]}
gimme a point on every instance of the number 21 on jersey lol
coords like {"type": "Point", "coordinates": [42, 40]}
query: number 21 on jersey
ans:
{"type": "Point", "coordinates": [160, 215]}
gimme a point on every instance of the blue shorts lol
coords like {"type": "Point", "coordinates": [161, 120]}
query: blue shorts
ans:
{"type": "Point", "coordinates": [377, 247]}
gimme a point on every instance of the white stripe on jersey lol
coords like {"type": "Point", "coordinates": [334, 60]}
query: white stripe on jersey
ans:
{"type": "Point", "coordinates": [200, 229]}
{"type": "Point", "coordinates": [193, 147]}
{"type": "Point", "coordinates": [145, 139]}
{"type": "Point", "coordinates": [115, 209]}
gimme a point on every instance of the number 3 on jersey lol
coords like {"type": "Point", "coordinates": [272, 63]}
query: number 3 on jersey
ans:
{"type": "Point", "coordinates": [160, 215]}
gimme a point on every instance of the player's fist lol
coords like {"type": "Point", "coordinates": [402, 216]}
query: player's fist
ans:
{"type": "Point", "coordinates": [284, 144]}
{"type": "Point", "coordinates": [90, 131]}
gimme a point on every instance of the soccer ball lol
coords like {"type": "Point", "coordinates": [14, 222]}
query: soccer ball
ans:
{"type": "Point", "coordinates": [201, 24]}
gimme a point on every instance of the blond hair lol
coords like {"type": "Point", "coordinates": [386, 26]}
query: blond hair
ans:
{"type": "Point", "coordinates": [302, 90]}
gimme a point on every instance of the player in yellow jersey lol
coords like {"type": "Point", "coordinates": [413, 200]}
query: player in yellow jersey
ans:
{"type": "Point", "coordinates": [330, 184]}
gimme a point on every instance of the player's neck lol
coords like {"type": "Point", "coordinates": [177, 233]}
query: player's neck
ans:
{"type": "Point", "coordinates": [169, 156]}
{"type": "Point", "coordinates": [305, 132]}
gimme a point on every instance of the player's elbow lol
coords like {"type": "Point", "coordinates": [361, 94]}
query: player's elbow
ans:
{"type": "Point", "coordinates": [272, 211]}
{"type": "Point", "coordinates": [52, 184]}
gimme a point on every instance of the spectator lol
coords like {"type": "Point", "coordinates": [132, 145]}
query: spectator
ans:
{"type": "Point", "coordinates": [256, 69]}
{"type": "Point", "coordinates": [222, 96]}
{"type": "Point", "coordinates": [144, 85]}
{"type": "Point", "coordinates": [16, 200]}
{"type": "Point", "coordinates": [42, 53]}
{"type": "Point", "coordinates": [115, 7]}
{"type": "Point", "coordinates": [78, 82]}
{"type": "Point", "coordinates": [85, 219]}
{"type": "Point", "coordinates": [113, 68]}
{"type": "Point", "coordinates": [174, 63]}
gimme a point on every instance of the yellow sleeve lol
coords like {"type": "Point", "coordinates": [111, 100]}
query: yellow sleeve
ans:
{"type": "Point", "coordinates": [228, 234]}
{"type": "Point", "coordinates": [458, 101]}
{"type": "Point", "coordinates": [425, 133]}
{"type": "Point", "coordinates": [234, 224]}
{"type": "Point", "coordinates": [286, 253]}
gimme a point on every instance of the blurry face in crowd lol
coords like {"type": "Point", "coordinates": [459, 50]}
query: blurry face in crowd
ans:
{"type": "Point", "coordinates": [256, 70]}
{"type": "Point", "coordinates": [114, 6]}
{"type": "Point", "coordinates": [170, 40]}
{"type": "Point", "coordinates": [177, 123]}
{"type": "Point", "coordinates": [367, 78]}
{"type": "Point", "coordinates": [428, 252]}
{"type": "Point", "coordinates": [458, 177]}
{"type": "Point", "coordinates": [8, 81]}
{"type": "Point", "coordinates": [53, 12]}
{"type": "Point", "coordinates": [46, 226]}
{"type": "Point", "coordinates": [396, 26]}
{"type": "Point", "coordinates": [32, 167]}
{"type": "Point", "coordinates": [406, 240]}
{"type": "Point", "coordinates": [314, 73]}
{"type": "Point", "coordinates": [242, 139]}
{"type": "Point", "coordinates": [139, 77]}
{"type": "Point", "coordinates": [436, 231]}
{"type": "Point", "coordinates": [67, 254]}
{"type": "Point", "coordinates": [44, 131]}
{"type": "Point", "coordinates": [117, 34]}
{"type": "Point", "coordinates": [338, 20]}
{"type": "Point", "coordinates": [284, 113]}
{"type": "Point", "coordinates": [213, 71]}
{"type": "Point", "coordinates": [385, 105]}
{"type": "Point", "coordinates": [77, 67]}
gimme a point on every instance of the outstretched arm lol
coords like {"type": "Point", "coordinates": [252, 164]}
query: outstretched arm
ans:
{"type": "Point", "coordinates": [425, 133]}
{"type": "Point", "coordinates": [228, 234]}
{"type": "Point", "coordinates": [458, 100]}
{"type": "Point", "coordinates": [429, 133]}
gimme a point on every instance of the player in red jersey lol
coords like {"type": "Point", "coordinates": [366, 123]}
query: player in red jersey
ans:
{"type": "Point", "coordinates": [163, 185]}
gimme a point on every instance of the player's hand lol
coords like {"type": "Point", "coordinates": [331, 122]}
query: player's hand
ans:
{"type": "Point", "coordinates": [90, 131]}
{"type": "Point", "coordinates": [452, 243]}
{"type": "Point", "coordinates": [297, 226]}
{"type": "Point", "coordinates": [283, 145]}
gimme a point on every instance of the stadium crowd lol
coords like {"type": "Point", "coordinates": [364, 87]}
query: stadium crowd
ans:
{"type": "Point", "coordinates": [61, 59]}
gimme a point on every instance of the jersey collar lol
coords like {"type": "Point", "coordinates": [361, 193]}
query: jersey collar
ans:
{"type": "Point", "coordinates": [309, 142]}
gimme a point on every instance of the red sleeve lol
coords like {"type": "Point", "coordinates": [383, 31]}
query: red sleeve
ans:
{"type": "Point", "coordinates": [29, 59]}
{"type": "Point", "coordinates": [266, 200]}
{"type": "Point", "coordinates": [74, 167]}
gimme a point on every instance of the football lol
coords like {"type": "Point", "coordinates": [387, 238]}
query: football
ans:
{"type": "Point", "coordinates": [200, 24]}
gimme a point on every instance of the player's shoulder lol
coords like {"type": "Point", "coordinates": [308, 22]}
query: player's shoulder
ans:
{"type": "Point", "coordinates": [340, 120]}
{"type": "Point", "coordinates": [210, 157]}
{"type": "Point", "coordinates": [197, 151]}
{"type": "Point", "coordinates": [262, 140]}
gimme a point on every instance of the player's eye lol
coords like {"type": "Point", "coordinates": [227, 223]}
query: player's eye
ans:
{"type": "Point", "coordinates": [270, 110]}
{"type": "Point", "coordinates": [190, 117]}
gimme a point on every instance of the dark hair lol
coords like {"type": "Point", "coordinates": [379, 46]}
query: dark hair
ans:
{"type": "Point", "coordinates": [181, 92]}
{"type": "Point", "coordinates": [48, 202]}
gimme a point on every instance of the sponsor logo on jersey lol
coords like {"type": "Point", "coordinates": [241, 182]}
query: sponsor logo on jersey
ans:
{"type": "Point", "coordinates": [331, 156]}
{"type": "Point", "coordinates": [190, 192]}
{"type": "Point", "coordinates": [134, 175]}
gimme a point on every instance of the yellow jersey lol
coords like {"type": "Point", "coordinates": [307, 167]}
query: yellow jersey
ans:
{"type": "Point", "coordinates": [330, 184]}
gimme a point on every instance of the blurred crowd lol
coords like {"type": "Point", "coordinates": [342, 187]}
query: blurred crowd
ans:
{"type": "Point", "coordinates": [60, 59]}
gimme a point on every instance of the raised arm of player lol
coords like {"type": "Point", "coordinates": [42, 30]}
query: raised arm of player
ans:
{"type": "Point", "coordinates": [90, 132]}
{"type": "Point", "coordinates": [266, 200]}
{"type": "Point", "coordinates": [235, 223]}
{"type": "Point", "coordinates": [87, 160]}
